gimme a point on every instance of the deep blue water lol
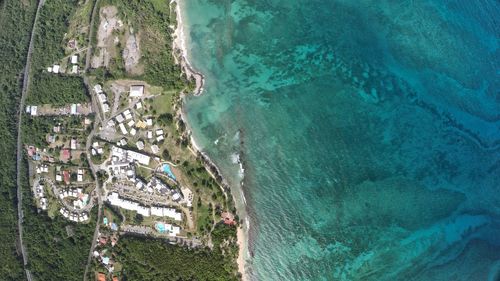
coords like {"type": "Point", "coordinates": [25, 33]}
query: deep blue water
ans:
{"type": "Point", "coordinates": [369, 132]}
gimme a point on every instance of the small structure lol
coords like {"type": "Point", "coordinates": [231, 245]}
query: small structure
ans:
{"type": "Point", "coordinates": [66, 177]}
{"type": "Point", "coordinates": [123, 129]}
{"type": "Point", "coordinates": [74, 109]}
{"type": "Point", "coordinates": [155, 149]}
{"type": "Point", "coordinates": [34, 110]}
{"type": "Point", "coordinates": [140, 145]}
{"type": "Point", "coordinates": [119, 118]}
{"type": "Point", "coordinates": [65, 155]}
{"type": "Point", "coordinates": [228, 218]}
{"type": "Point", "coordinates": [98, 89]}
{"type": "Point", "coordinates": [136, 90]}
{"type": "Point", "coordinates": [55, 68]}
{"type": "Point", "coordinates": [73, 144]}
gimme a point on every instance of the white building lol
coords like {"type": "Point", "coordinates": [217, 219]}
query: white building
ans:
{"type": "Point", "coordinates": [119, 118]}
{"type": "Point", "coordinates": [140, 145]}
{"type": "Point", "coordinates": [136, 90]}
{"type": "Point", "coordinates": [155, 149]}
{"type": "Point", "coordinates": [122, 128]}
{"type": "Point", "coordinates": [130, 155]}
{"type": "Point", "coordinates": [98, 89]}
{"type": "Point", "coordinates": [74, 59]}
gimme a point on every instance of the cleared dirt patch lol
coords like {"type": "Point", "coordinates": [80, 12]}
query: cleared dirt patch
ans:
{"type": "Point", "coordinates": [107, 37]}
{"type": "Point", "coordinates": [132, 54]}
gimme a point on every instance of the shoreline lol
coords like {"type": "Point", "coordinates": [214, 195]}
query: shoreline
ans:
{"type": "Point", "coordinates": [179, 50]}
{"type": "Point", "coordinates": [179, 45]}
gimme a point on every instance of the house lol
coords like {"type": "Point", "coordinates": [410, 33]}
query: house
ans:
{"type": "Point", "coordinates": [159, 132]}
{"type": "Point", "coordinates": [159, 138]}
{"type": "Point", "coordinates": [74, 69]}
{"type": "Point", "coordinates": [105, 107]}
{"type": "Point", "coordinates": [58, 178]}
{"type": "Point", "coordinates": [34, 110]}
{"type": "Point", "coordinates": [55, 68]}
{"type": "Point", "coordinates": [101, 277]}
{"type": "Point", "coordinates": [74, 109]}
{"type": "Point", "coordinates": [138, 105]}
{"type": "Point", "coordinates": [122, 129]}
{"type": "Point", "coordinates": [119, 118]}
{"type": "Point", "coordinates": [73, 144]}
{"type": "Point", "coordinates": [123, 141]}
{"type": "Point", "coordinates": [51, 138]}
{"type": "Point", "coordinates": [102, 97]}
{"type": "Point", "coordinates": [149, 122]}
{"type": "Point", "coordinates": [98, 89]}
{"type": "Point", "coordinates": [131, 123]}
{"type": "Point", "coordinates": [65, 155]}
{"type": "Point", "coordinates": [155, 149]}
{"type": "Point", "coordinates": [140, 145]}
{"type": "Point", "coordinates": [228, 218]}
{"type": "Point", "coordinates": [136, 90]}
{"type": "Point", "coordinates": [66, 177]}
{"type": "Point", "coordinates": [149, 134]}
{"type": "Point", "coordinates": [128, 114]}
{"type": "Point", "coordinates": [74, 59]}
{"type": "Point", "coordinates": [133, 131]}
{"type": "Point", "coordinates": [103, 240]}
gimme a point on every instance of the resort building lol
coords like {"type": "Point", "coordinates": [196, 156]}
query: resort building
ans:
{"type": "Point", "coordinates": [130, 155]}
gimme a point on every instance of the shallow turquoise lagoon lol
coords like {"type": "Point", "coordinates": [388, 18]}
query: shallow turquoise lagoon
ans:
{"type": "Point", "coordinates": [369, 131]}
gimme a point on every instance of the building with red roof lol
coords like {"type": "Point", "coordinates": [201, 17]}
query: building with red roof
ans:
{"type": "Point", "coordinates": [101, 276]}
{"type": "Point", "coordinates": [66, 177]}
{"type": "Point", "coordinates": [65, 155]}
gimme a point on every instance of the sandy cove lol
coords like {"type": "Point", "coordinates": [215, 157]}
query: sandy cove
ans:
{"type": "Point", "coordinates": [180, 56]}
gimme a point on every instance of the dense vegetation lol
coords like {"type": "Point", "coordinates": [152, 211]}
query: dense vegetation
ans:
{"type": "Point", "coordinates": [153, 259]}
{"type": "Point", "coordinates": [16, 20]}
{"type": "Point", "coordinates": [57, 248]}
{"type": "Point", "coordinates": [48, 49]}
{"type": "Point", "coordinates": [57, 90]}
{"type": "Point", "coordinates": [153, 19]}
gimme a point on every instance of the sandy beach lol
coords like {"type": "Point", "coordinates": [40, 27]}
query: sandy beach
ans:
{"type": "Point", "coordinates": [180, 51]}
{"type": "Point", "coordinates": [180, 55]}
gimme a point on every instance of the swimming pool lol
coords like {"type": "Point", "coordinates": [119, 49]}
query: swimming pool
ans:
{"type": "Point", "coordinates": [168, 171]}
{"type": "Point", "coordinates": [160, 227]}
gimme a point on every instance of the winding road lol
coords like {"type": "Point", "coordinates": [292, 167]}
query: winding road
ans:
{"type": "Point", "coordinates": [19, 150]}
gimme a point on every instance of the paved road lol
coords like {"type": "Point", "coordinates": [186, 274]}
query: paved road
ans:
{"type": "Point", "coordinates": [99, 117]}
{"type": "Point", "coordinates": [24, 92]}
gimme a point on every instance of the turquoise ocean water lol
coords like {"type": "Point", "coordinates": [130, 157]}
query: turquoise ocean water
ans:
{"type": "Point", "coordinates": [369, 131]}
